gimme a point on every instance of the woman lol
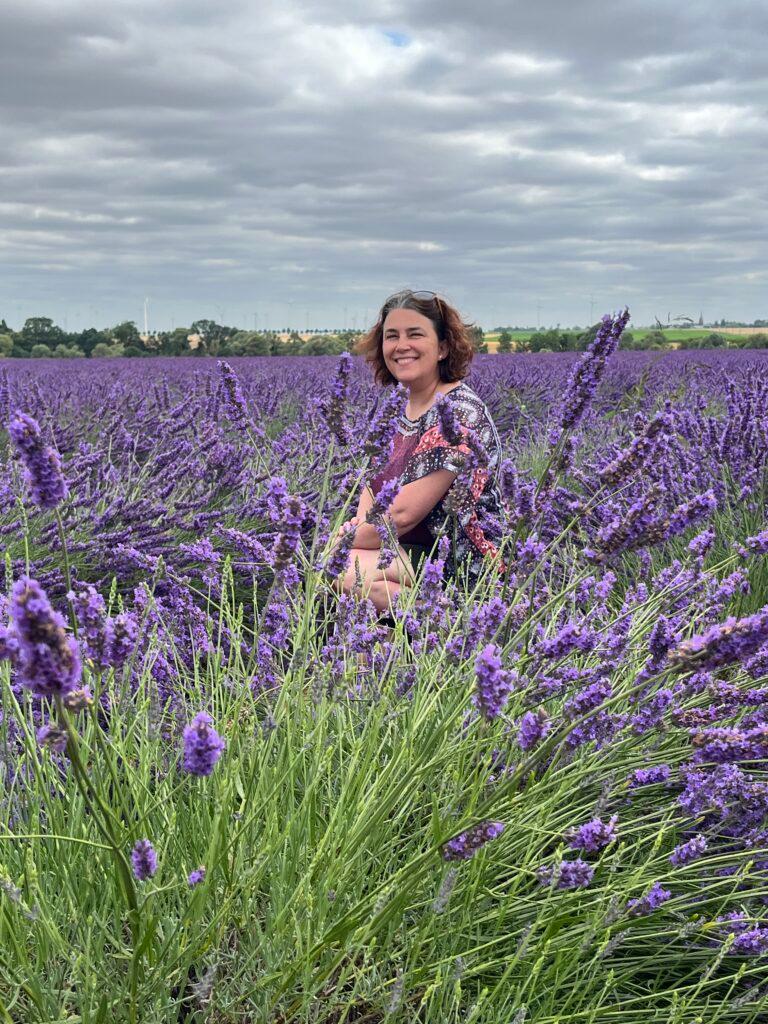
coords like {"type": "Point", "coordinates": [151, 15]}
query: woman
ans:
{"type": "Point", "coordinates": [420, 341]}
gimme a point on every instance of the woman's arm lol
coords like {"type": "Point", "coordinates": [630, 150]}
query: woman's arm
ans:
{"type": "Point", "coordinates": [417, 499]}
{"type": "Point", "coordinates": [412, 504]}
{"type": "Point", "coordinates": [365, 535]}
{"type": "Point", "coordinates": [365, 504]}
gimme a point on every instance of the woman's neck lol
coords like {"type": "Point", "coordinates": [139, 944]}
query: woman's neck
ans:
{"type": "Point", "coordinates": [421, 398]}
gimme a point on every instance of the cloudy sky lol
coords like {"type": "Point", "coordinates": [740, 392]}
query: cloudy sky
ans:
{"type": "Point", "coordinates": [272, 163]}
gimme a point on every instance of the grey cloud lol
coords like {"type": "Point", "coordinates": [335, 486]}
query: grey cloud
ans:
{"type": "Point", "coordinates": [292, 158]}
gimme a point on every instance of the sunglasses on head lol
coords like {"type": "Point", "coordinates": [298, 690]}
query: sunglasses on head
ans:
{"type": "Point", "coordinates": [407, 293]}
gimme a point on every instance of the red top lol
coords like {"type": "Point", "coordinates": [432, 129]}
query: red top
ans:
{"type": "Point", "coordinates": [402, 449]}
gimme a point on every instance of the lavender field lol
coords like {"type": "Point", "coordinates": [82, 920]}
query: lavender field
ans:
{"type": "Point", "coordinates": [229, 794]}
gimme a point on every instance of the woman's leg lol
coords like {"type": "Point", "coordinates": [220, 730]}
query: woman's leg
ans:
{"type": "Point", "coordinates": [399, 571]}
{"type": "Point", "coordinates": [383, 593]}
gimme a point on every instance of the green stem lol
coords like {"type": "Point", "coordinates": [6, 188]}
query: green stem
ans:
{"type": "Point", "coordinates": [67, 570]}
{"type": "Point", "coordinates": [101, 814]}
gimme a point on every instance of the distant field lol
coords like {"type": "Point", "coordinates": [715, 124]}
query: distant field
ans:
{"type": "Point", "coordinates": [673, 334]}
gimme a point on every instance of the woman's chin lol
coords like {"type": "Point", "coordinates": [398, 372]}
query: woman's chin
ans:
{"type": "Point", "coordinates": [405, 374]}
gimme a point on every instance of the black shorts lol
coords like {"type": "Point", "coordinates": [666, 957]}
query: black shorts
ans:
{"type": "Point", "coordinates": [416, 553]}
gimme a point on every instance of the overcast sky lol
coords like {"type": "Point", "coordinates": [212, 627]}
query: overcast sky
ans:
{"type": "Point", "coordinates": [289, 162]}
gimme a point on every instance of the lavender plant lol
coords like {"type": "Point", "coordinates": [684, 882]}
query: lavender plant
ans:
{"type": "Point", "coordinates": [583, 739]}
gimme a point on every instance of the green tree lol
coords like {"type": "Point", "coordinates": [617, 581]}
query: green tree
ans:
{"type": "Point", "coordinates": [41, 330]}
{"type": "Point", "coordinates": [715, 340]}
{"type": "Point", "coordinates": [505, 342]}
{"type": "Point", "coordinates": [105, 351]}
{"type": "Point", "coordinates": [758, 340]}
{"type": "Point", "coordinates": [67, 352]}
{"type": "Point", "coordinates": [212, 335]}
{"type": "Point", "coordinates": [323, 345]}
{"type": "Point", "coordinates": [6, 345]}
{"type": "Point", "coordinates": [175, 343]}
{"type": "Point", "coordinates": [247, 343]}
{"type": "Point", "coordinates": [654, 339]}
{"type": "Point", "coordinates": [88, 339]}
{"type": "Point", "coordinates": [40, 351]}
{"type": "Point", "coordinates": [126, 333]}
{"type": "Point", "coordinates": [550, 340]}
{"type": "Point", "coordinates": [477, 337]}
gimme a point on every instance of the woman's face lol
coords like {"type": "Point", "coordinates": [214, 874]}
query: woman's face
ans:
{"type": "Point", "coordinates": [410, 348]}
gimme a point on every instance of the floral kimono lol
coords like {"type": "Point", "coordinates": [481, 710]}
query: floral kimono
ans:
{"type": "Point", "coordinates": [472, 513]}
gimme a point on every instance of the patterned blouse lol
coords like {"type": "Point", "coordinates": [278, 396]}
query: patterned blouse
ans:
{"type": "Point", "coordinates": [472, 513]}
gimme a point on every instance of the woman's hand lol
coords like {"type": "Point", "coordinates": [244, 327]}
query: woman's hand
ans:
{"type": "Point", "coordinates": [350, 524]}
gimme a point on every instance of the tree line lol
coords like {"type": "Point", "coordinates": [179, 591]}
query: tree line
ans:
{"type": "Point", "coordinates": [41, 338]}
{"type": "Point", "coordinates": [555, 340]}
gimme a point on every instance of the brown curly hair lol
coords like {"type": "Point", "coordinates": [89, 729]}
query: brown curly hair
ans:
{"type": "Point", "coordinates": [448, 325]}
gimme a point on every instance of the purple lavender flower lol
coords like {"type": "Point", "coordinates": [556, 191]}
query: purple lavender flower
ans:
{"type": "Point", "coordinates": [649, 776]}
{"type": "Point", "coordinates": [757, 545]}
{"type": "Point", "coordinates": [569, 874]}
{"type": "Point", "coordinates": [752, 942]}
{"type": "Point", "coordinates": [9, 643]}
{"type": "Point", "coordinates": [731, 641]}
{"type": "Point", "coordinates": [701, 543]}
{"type": "Point", "coordinates": [593, 835]}
{"type": "Point", "coordinates": [42, 464]}
{"type": "Point", "coordinates": [633, 458]}
{"type": "Point", "coordinates": [53, 737]}
{"type": "Point", "coordinates": [337, 560]}
{"type": "Point", "coordinates": [449, 422]}
{"type": "Point", "coordinates": [468, 843]}
{"type": "Point", "coordinates": [287, 541]}
{"type": "Point", "coordinates": [144, 860]}
{"type": "Point", "coordinates": [387, 494]}
{"type": "Point", "coordinates": [381, 435]}
{"type": "Point", "coordinates": [202, 745]}
{"type": "Point", "coordinates": [589, 370]}
{"type": "Point", "coordinates": [686, 852]}
{"type": "Point", "coordinates": [573, 636]}
{"type": "Point", "coordinates": [386, 551]}
{"type": "Point", "coordinates": [650, 901]}
{"type": "Point", "coordinates": [196, 876]}
{"type": "Point", "coordinates": [533, 727]}
{"type": "Point", "coordinates": [77, 700]}
{"type": "Point", "coordinates": [652, 711]}
{"type": "Point", "coordinates": [121, 633]}
{"type": "Point", "coordinates": [234, 400]}
{"type": "Point", "coordinates": [5, 398]}
{"type": "Point", "coordinates": [627, 532]}
{"type": "Point", "coordinates": [493, 684]}
{"type": "Point", "coordinates": [597, 725]}
{"type": "Point", "coordinates": [90, 612]}
{"type": "Point", "coordinates": [334, 409]}
{"type": "Point", "coordinates": [275, 498]}
{"type": "Point", "coordinates": [48, 660]}
{"type": "Point", "coordinates": [724, 745]}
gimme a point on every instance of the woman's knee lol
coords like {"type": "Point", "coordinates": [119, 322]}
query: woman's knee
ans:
{"type": "Point", "coordinates": [358, 568]}
{"type": "Point", "coordinates": [362, 568]}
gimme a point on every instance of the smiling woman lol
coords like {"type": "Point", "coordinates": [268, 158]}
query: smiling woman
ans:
{"type": "Point", "coordinates": [445, 433]}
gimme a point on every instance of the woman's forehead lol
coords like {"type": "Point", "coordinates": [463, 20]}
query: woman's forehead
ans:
{"type": "Point", "coordinates": [406, 318]}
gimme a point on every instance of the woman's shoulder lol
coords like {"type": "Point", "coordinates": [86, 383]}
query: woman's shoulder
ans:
{"type": "Point", "coordinates": [469, 406]}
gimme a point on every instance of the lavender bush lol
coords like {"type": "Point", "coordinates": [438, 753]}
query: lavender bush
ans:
{"type": "Point", "coordinates": [583, 735]}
